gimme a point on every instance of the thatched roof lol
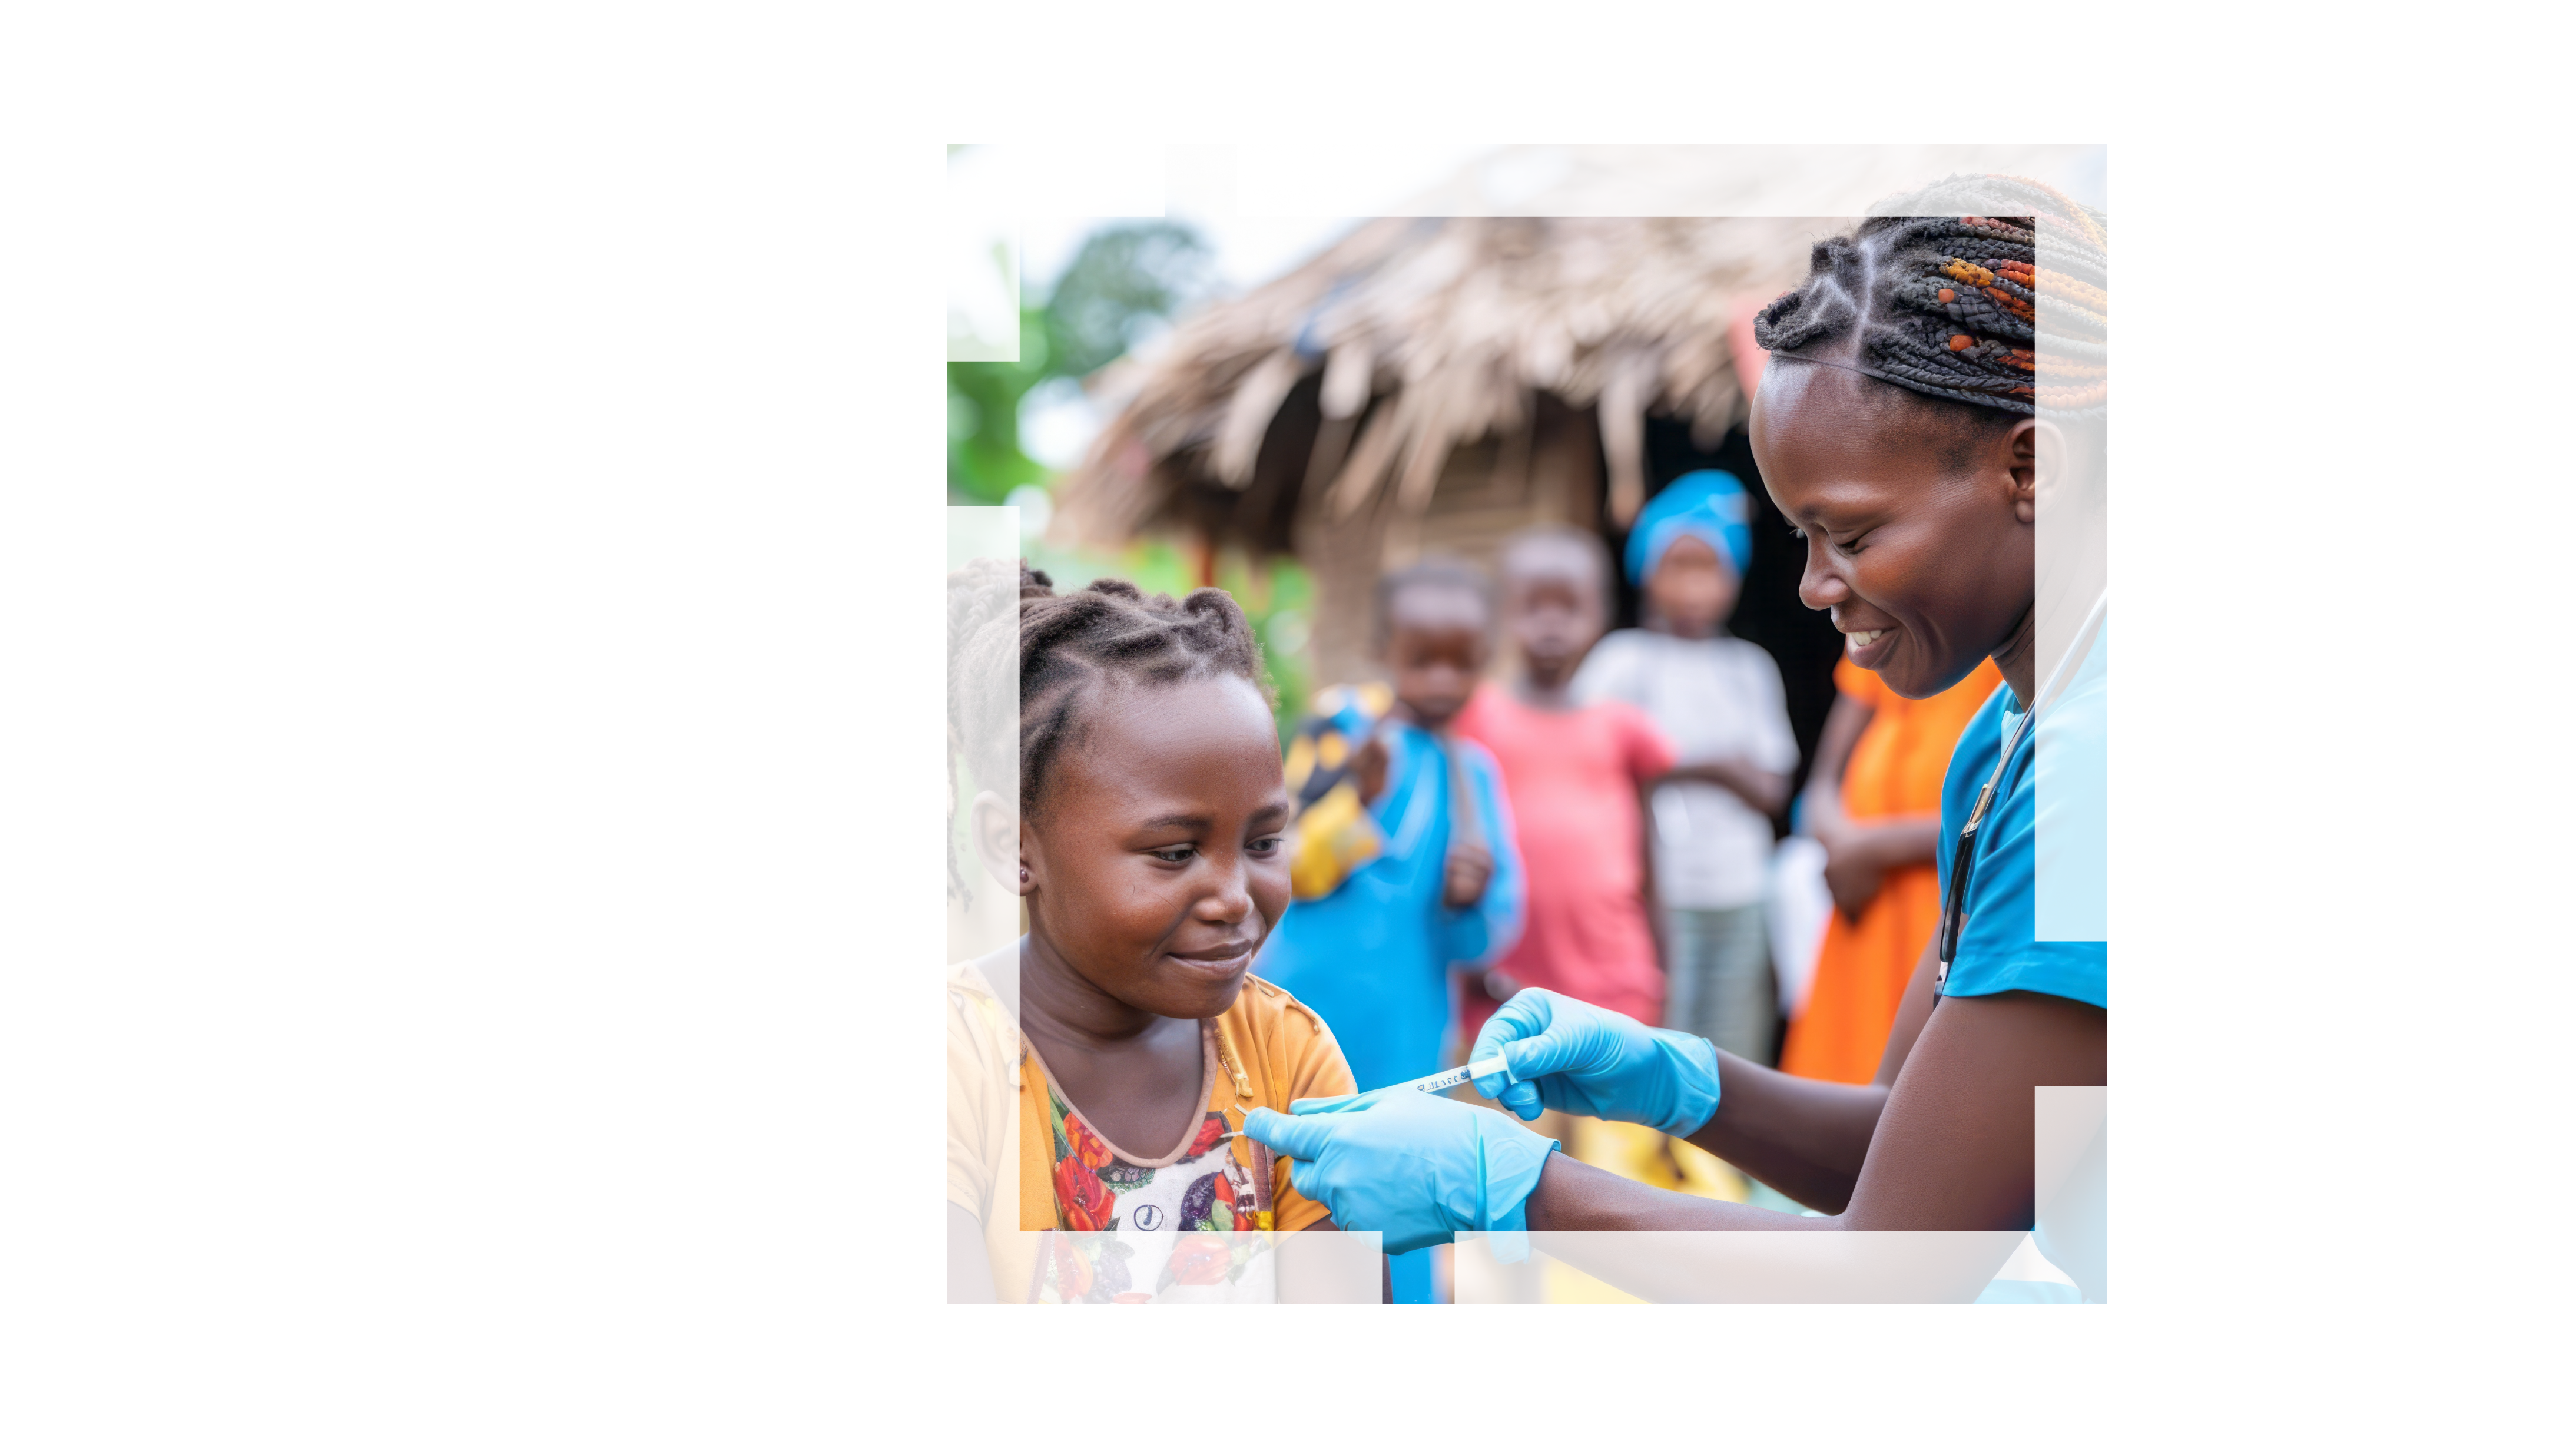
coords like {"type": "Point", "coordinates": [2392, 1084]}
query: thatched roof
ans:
{"type": "Point", "coordinates": [1415, 336]}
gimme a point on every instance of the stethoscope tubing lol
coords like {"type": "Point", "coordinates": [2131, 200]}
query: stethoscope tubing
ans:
{"type": "Point", "coordinates": [1963, 853]}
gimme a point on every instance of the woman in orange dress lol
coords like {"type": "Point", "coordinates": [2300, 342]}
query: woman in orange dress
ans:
{"type": "Point", "coordinates": [1874, 802]}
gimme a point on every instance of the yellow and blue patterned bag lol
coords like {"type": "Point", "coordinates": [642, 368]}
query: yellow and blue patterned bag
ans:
{"type": "Point", "coordinates": [1334, 833]}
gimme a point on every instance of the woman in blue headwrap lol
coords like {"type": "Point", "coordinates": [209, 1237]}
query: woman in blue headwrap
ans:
{"type": "Point", "coordinates": [1720, 700]}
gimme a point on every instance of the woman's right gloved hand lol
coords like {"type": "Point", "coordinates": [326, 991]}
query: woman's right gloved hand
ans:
{"type": "Point", "coordinates": [1567, 1056]}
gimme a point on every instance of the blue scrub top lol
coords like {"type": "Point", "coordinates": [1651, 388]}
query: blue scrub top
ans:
{"type": "Point", "coordinates": [1998, 945]}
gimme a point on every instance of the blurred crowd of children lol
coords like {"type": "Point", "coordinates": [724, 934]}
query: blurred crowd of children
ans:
{"type": "Point", "coordinates": [1599, 818]}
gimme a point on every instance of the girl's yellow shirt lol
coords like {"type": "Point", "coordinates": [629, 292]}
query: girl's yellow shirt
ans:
{"type": "Point", "coordinates": [1270, 1049]}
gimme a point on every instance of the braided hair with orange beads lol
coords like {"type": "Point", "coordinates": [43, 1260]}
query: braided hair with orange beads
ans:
{"type": "Point", "coordinates": [1941, 294]}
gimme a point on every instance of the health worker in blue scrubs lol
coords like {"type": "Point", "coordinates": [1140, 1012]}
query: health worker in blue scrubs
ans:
{"type": "Point", "coordinates": [1897, 430]}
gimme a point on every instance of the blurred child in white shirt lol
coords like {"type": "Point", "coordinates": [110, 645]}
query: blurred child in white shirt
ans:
{"type": "Point", "coordinates": [1720, 700]}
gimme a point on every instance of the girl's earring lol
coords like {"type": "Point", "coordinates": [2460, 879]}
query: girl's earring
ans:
{"type": "Point", "coordinates": [1024, 874]}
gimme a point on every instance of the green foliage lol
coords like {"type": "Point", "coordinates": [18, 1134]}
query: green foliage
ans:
{"type": "Point", "coordinates": [1124, 281]}
{"type": "Point", "coordinates": [984, 457]}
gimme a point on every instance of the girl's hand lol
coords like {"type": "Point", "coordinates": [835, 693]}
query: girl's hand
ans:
{"type": "Point", "coordinates": [1471, 868]}
{"type": "Point", "coordinates": [1499, 985]}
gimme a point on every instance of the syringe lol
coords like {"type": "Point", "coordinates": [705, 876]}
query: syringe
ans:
{"type": "Point", "coordinates": [1461, 1075]}
{"type": "Point", "coordinates": [1447, 1080]}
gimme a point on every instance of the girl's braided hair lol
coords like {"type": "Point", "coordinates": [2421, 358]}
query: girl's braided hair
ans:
{"type": "Point", "coordinates": [1072, 646]}
{"type": "Point", "coordinates": [1946, 305]}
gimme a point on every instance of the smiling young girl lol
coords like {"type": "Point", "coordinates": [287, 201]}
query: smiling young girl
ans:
{"type": "Point", "coordinates": [1121, 1040]}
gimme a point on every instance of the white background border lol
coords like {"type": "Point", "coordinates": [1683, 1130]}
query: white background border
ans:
{"type": "Point", "coordinates": [469, 588]}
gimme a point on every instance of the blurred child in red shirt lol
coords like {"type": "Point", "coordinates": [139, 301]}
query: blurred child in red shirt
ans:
{"type": "Point", "coordinates": [1575, 776]}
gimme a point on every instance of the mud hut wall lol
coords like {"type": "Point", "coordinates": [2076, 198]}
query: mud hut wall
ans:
{"type": "Point", "coordinates": [1341, 557]}
{"type": "Point", "coordinates": [1549, 473]}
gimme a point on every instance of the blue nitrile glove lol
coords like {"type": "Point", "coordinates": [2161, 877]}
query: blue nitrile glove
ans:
{"type": "Point", "coordinates": [1567, 1056]}
{"type": "Point", "coordinates": [1417, 1167]}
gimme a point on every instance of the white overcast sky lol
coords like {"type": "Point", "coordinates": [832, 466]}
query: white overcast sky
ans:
{"type": "Point", "coordinates": [1187, 184]}
{"type": "Point", "coordinates": [1250, 249]}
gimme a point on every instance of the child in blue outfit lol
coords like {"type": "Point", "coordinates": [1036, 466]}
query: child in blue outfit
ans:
{"type": "Point", "coordinates": [1404, 861]}
{"type": "Point", "coordinates": [1399, 873]}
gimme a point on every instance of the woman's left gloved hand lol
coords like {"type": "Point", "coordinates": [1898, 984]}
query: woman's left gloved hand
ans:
{"type": "Point", "coordinates": [1416, 1167]}
{"type": "Point", "coordinates": [1566, 1055]}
